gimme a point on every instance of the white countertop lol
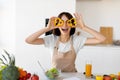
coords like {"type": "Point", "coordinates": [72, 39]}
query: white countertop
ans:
{"type": "Point", "coordinates": [79, 76]}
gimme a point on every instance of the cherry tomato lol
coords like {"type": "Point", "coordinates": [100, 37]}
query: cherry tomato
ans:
{"type": "Point", "coordinates": [28, 75]}
{"type": "Point", "coordinates": [35, 77]}
{"type": "Point", "coordinates": [24, 78]}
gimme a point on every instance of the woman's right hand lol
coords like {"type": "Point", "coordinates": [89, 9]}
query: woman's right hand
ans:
{"type": "Point", "coordinates": [35, 37]}
{"type": "Point", "coordinates": [79, 20]}
{"type": "Point", "coordinates": [51, 24]}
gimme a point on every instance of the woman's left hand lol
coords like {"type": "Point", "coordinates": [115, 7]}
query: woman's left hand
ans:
{"type": "Point", "coordinates": [79, 21]}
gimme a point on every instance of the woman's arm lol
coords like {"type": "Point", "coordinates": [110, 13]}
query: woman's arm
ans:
{"type": "Point", "coordinates": [35, 37]}
{"type": "Point", "coordinates": [97, 37]}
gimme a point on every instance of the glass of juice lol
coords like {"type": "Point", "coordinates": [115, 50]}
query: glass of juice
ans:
{"type": "Point", "coordinates": [88, 69]}
{"type": "Point", "coordinates": [99, 77]}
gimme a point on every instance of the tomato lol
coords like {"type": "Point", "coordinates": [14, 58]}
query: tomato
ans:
{"type": "Point", "coordinates": [119, 77]}
{"type": "Point", "coordinates": [107, 77]}
{"type": "Point", "coordinates": [24, 78]}
{"type": "Point", "coordinates": [28, 75]}
{"type": "Point", "coordinates": [35, 77]}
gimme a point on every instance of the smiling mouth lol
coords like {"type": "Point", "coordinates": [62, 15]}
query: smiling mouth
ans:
{"type": "Point", "coordinates": [65, 29]}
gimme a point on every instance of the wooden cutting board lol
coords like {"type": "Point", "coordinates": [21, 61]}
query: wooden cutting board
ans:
{"type": "Point", "coordinates": [108, 33]}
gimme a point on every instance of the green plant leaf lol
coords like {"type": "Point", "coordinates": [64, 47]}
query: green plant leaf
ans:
{"type": "Point", "coordinates": [10, 61]}
{"type": "Point", "coordinates": [2, 61]}
{"type": "Point", "coordinates": [4, 58]}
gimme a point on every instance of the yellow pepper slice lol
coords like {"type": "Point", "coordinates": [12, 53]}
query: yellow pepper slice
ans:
{"type": "Point", "coordinates": [58, 22]}
{"type": "Point", "coordinates": [71, 22]}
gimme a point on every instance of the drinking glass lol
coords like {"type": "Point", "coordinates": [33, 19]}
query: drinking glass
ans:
{"type": "Point", "coordinates": [99, 77]}
{"type": "Point", "coordinates": [88, 68]}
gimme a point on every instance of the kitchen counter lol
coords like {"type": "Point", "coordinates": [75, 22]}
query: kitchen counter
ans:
{"type": "Point", "coordinates": [79, 76]}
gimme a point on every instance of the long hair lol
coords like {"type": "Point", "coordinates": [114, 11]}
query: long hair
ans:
{"type": "Point", "coordinates": [69, 16]}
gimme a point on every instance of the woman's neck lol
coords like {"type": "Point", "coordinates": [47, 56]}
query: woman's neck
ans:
{"type": "Point", "coordinates": [64, 38]}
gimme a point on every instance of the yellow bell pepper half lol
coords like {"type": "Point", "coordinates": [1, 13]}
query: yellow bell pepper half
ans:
{"type": "Point", "coordinates": [71, 22]}
{"type": "Point", "coordinates": [58, 22]}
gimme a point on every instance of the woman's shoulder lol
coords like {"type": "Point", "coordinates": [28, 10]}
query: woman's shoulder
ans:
{"type": "Point", "coordinates": [78, 40]}
{"type": "Point", "coordinates": [50, 40]}
{"type": "Point", "coordinates": [78, 35]}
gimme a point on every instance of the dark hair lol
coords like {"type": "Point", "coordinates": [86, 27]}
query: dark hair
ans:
{"type": "Point", "coordinates": [69, 16]}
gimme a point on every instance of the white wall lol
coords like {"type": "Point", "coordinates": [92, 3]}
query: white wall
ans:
{"type": "Point", "coordinates": [98, 13]}
{"type": "Point", "coordinates": [7, 25]}
{"type": "Point", "coordinates": [30, 17]}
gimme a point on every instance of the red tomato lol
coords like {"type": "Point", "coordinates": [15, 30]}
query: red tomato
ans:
{"type": "Point", "coordinates": [107, 78]}
{"type": "Point", "coordinates": [24, 78]}
{"type": "Point", "coordinates": [35, 77]}
{"type": "Point", "coordinates": [28, 75]}
{"type": "Point", "coordinates": [119, 77]}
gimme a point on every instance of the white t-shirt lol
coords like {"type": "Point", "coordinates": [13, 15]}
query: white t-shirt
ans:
{"type": "Point", "coordinates": [78, 43]}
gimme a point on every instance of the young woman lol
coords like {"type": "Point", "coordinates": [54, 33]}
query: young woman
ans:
{"type": "Point", "coordinates": [63, 42]}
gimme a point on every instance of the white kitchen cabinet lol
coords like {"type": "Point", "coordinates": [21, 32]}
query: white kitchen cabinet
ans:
{"type": "Point", "coordinates": [105, 59]}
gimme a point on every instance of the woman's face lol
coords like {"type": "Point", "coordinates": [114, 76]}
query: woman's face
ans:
{"type": "Point", "coordinates": [65, 29]}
